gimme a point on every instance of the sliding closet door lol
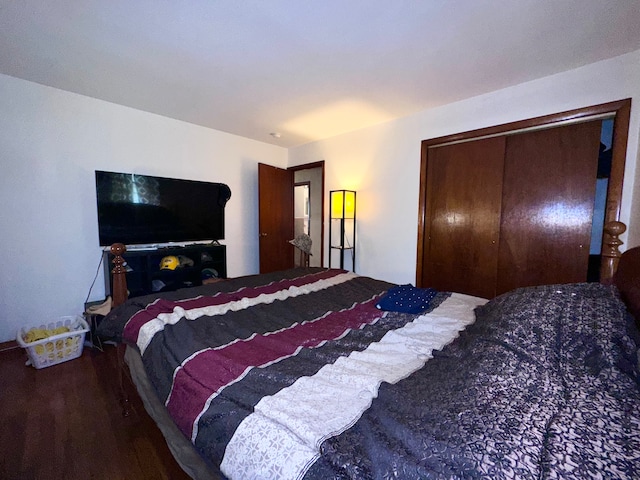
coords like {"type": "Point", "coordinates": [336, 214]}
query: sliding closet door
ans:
{"type": "Point", "coordinates": [547, 205]}
{"type": "Point", "coordinates": [463, 194]}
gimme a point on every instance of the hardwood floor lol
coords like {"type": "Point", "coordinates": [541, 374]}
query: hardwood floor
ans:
{"type": "Point", "coordinates": [65, 422]}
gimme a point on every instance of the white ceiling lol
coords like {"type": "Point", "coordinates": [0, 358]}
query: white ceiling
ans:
{"type": "Point", "coordinates": [306, 69]}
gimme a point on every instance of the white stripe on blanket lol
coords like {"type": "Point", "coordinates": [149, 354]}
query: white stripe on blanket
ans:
{"type": "Point", "coordinates": [299, 418]}
{"type": "Point", "coordinates": [149, 329]}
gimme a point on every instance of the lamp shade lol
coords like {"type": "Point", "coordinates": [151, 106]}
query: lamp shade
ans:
{"type": "Point", "coordinates": [342, 223]}
{"type": "Point", "coordinates": [343, 204]}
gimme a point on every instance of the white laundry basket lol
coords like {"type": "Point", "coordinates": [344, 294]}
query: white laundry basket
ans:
{"type": "Point", "coordinates": [56, 348]}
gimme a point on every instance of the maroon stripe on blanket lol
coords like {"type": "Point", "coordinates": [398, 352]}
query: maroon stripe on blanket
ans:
{"type": "Point", "coordinates": [211, 370]}
{"type": "Point", "coordinates": [160, 306]}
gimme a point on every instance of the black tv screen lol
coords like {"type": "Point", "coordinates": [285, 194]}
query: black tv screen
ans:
{"type": "Point", "coordinates": [141, 209]}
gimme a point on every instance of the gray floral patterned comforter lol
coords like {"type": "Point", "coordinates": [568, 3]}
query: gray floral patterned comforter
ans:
{"type": "Point", "coordinates": [543, 385]}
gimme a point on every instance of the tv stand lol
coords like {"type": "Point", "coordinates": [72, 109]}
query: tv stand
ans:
{"type": "Point", "coordinates": [144, 275]}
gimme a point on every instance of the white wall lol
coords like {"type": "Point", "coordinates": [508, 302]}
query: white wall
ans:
{"type": "Point", "coordinates": [382, 163]}
{"type": "Point", "coordinates": [51, 142]}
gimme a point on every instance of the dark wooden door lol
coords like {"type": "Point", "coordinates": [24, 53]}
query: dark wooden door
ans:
{"type": "Point", "coordinates": [547, 205]}
{"type": "Point", "coordinates": [464, 185]}
{"type": "Point", "coordinates": [275, 218]}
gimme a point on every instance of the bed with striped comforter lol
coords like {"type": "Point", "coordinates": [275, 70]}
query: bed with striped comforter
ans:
{"type": "Point", "coordinates": [298, 375]}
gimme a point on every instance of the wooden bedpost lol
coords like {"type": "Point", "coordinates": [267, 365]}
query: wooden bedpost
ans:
{"type": "Point", "coordinates": [120, 294]}
{"type": "Point", "coordinates": [610, 249]}
{"type": "Point", "coordinates": [119, 278]}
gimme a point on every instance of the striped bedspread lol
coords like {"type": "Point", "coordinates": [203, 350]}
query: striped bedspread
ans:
{"type": "Point", "coordinates": [299, 375]}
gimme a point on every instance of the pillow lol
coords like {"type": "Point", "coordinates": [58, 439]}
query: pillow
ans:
{"type": "Point", "coordinates": [627, 280]}
{"type": "Point", "coordinates": [406, 299]}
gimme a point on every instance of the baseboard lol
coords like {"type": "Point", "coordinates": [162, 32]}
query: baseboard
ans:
{"type": "Point", "coordinates": [10, 345]}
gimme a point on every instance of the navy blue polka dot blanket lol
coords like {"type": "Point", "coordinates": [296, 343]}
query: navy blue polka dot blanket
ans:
{"type": "Point", "coordinates": [407, 299]}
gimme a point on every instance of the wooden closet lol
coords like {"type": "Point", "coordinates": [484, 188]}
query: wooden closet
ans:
{"type": "Point", "coordinates": [512, 206]}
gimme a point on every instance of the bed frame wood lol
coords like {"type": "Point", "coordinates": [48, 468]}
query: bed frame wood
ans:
{"type": "Point", "coordinates": [610, 257]}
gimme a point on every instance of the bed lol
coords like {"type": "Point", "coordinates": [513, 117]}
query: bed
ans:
{"type": "Point", "coordinates": [321, 373]}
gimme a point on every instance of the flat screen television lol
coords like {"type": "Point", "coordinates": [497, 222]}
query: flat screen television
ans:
{"type": "Point", "coordinates": [140, 209]}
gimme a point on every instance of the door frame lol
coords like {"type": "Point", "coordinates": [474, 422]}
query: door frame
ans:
{"type": "Point", "coordinates": [619, 110]}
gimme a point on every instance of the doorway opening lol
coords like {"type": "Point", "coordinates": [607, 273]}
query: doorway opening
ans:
{"type": "Point", "coordinates": [301, 209]}
{"type": "Point", "coordinates": [308, 181]}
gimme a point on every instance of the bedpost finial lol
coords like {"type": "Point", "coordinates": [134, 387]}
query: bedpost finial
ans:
{"type": "Point", "coordinates": [117, 249]}
{"type": "Point", "coordinates": [611, 248]}
{"type": "Point", "coordinates": [611, 242]}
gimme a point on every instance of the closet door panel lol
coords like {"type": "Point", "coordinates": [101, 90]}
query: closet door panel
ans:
{"type": "Point", "coordinates": [464, 184]}
{"type": "Point", "coordinates": [547, 206]}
